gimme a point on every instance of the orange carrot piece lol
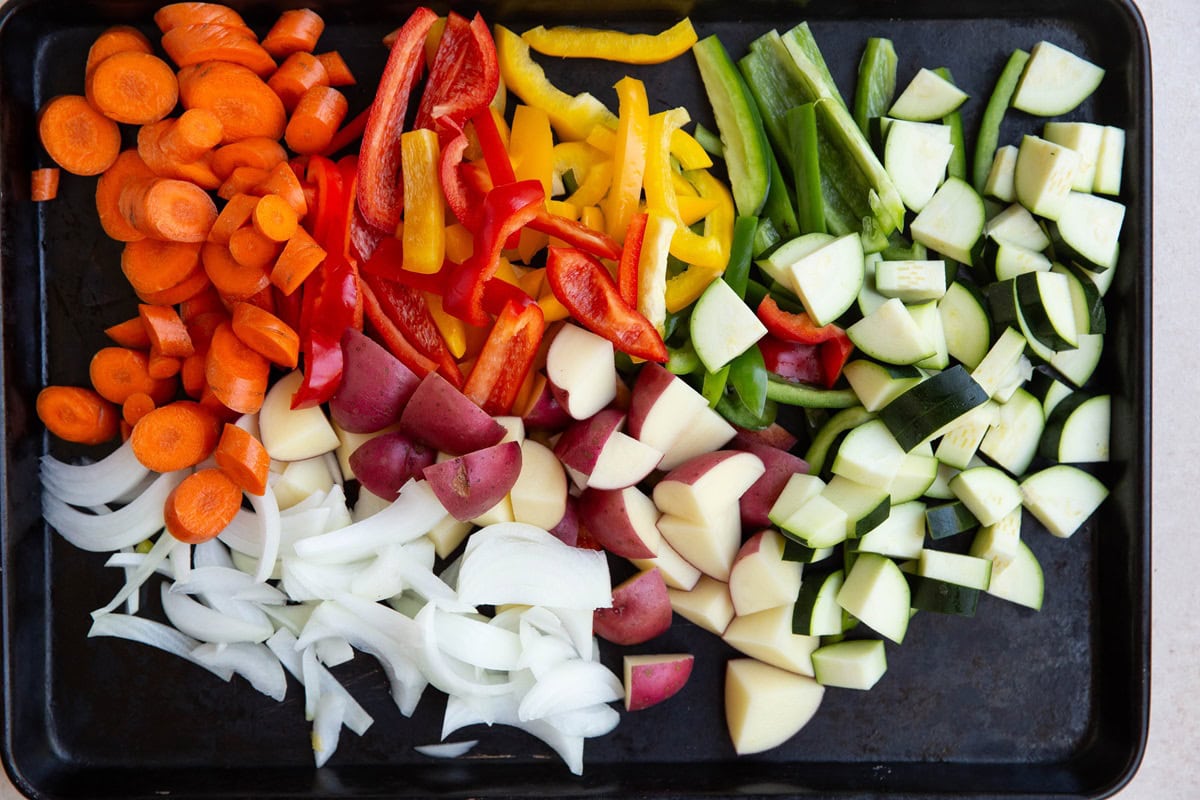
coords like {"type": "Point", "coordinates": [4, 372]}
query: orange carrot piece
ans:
{"type": "Point", "coordinates": [186, 289]}
{"type": "Point", "coordinates": [256, 151]}
{"type": "Point", "coordinates": [117, 39]}
{"type": "Point", "coordinates": [132, 87]}
{"type": "Point", "coordinates": [191, 374]}
{"type": "Point", "coordinates": [252, 249]}
{"type": "Point", "coordinates": [195, 132]}
{"type": "Point", "coordinates": [117, 372]}
{"type": "Point", "coordinates": [236, 374]}
{"type": "Point", "coordinates": [175, 15]}
{"type": "Point", "coordinates": [152, 140]}
{"type": "Point", "coordinates": [266, 334]}
{"type": "Point", "coordinates": [241, 99]}
{"type": "Point", "coordinates": [77, 137]}
{"type": "Point", "coordinates": [296, 75]}
{"type": "Point", "coordinates": [128, 166]}
{"type": "Point", "coordinates": [317, 116]}
{"type": "Point", "coordinates": [168, 335]}
{"type": "Point", "coordinates": [154, 265]}
{"type": "Point", "coordinates": [264, 300]}
{"type": "Point", "coordinates": [162, 367]}
{"type": "Point", "coordinates": [243, 180]}
{"type": "Point", "coordinates": [130, 333]}
{"type": "Point", "coordinates": [200, 507]}
{"type": "Point", "coordinates": [301, 255]}
{"type": "Point", "coordinates": [175, 436]}
{"type": "Point", "coordinates": [168, 208]}
{"type": "Point", "coordinates": [76, 414]}
{"type": "Point", "coordinates": [283, 181]}
{"type": "Point", "coordinates": [206, 302]}
{"type": "Point", "coordinates": [43, 184]}
{"type": "Point", "coordinates": [234, 280]}
{"type": "Point", "coordinates": [243, 459]}
{"type": "Point", "coordinates": [274, 218]}
{"type": "Point", "coordinates": [336, 68]}
{"type": "Point", "coordinates": [296, 30]}
{"type": "Point", "coordinates": [210, 41]}
{"type": "Point", "coordinates": [202, 326]}
{"type": "Point", "coordinates": [235, 214]}
{"type": "Point", "coordinates": [136, 406]}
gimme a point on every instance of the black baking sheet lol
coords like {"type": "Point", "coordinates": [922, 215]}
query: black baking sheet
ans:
{"type": "Point", "coordinates": [1011, 703]}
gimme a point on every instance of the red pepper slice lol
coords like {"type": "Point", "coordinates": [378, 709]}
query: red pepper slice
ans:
{"type": "Point", "coordinates": [409, 312]}
{"type": "Point", "coordinates": [834, 354]}
{"type": "Point", "coordinates": [584, 286]}
{"type": "Point", "coordinates": [506, 357]}
{"type": "Point", "coordinates": [461, 195]}
{"type": "Point", "coordinates": [793, 327]}
{"type": "Point", "coordinates": [506, 210]}
{"type": "Point", "coordinates": [395, 341]}
{"type": "Point", "coordinates": [499, 293]}
{"type": "Point", "coordinates": [463, 78]}
{"type": "Point", "coordinates": [793, 361]}
{"type": "Point", "coordinates": [322, 369]}
{"type": "Point", "coordinates": [380, 191]}
{"type": "Point", "coordinates": [494, 155]}
{"type": "Point", "coordinates": [387, 261]}
{"type": "Point", "coordinates": [627, 267]}
{"type": "Point", "coordinates": [577, 235]}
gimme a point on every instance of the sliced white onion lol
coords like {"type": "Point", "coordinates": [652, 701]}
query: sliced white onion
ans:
{"type": "Point", "coordinates": [315, 500]}
{"type": "Point", "coordinates": [339, 511]}
{"type": "Point", "coordinates": [335, 469]}
{"type": "Point", "coordinates": [211, 554]}
{"type": "Point", "coordinates": [283, 645]}
{"type": "Point", "coordinates": [588, 722]}
{"type": "Point", "coordinates": [209, 625]}
{"type": "Point", "coordinates": [125, 527]}
{"type": "Point", "coordinates": [419, 578]}
{"type": "Point", "coordinates": [477, 643]}
{"type": "Point", "coordinates": [155, 634]}
{"type": "Point", "coordinates": [231, 583]}
{"type": "Point", "coordinates": [540, 653]}
{"type": "Point", "coordinates": [328, 718]}
{"type": "Point", "coordinates": [423, 551]}
{"type": "Point", "coordinates": [380, 579]}
{"type": "Point", "coordinates": [305, 580]}
{"type": "Point", "coordinates": [129, 559]}
{"type": "Point", "coordinates": [290, 617]}
{"type": "Point", "coordinates": [502, 710]}
{"type": "Point", "coordinates": [266, 509]}
{"type": "Point", "coordinates": [368, 504]}
{"type": "Point", "coordinates": [312, 681]}
{"type": "Point", "coordinates": [449, 674]}
{"type": "Point", "coordinates": [407, 603]}
{"type": "Point", "coordinates": [568, 686]}
{"type": "Point", "coordinates": [446, 749]}
{"type": "Point", "coordinates": [104, 481]}
{"type": "Point", "coordinates": [512, 562]}
{"type": "Point", "coordinates": [134, 579]}
{"type": "Point", "coordinates": [134, 601]}
{"type": "Point", "coordinates": [181, 561]}
{"type": "Point", "coordinates": [254, 662]}
{"type": "Point", "coordinates": [413, 513]}
{"type": "Point", "coordinates": [577, 622]}
{"type": "Point", "coordinates": [334, 650]}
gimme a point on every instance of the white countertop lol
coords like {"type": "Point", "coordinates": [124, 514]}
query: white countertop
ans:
{"type": "Point", "coordinates": [1171, 768]}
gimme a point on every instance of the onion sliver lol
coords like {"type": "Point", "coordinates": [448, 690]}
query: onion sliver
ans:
{"type": "Point", "coordinates": [476, 643]}
{"type": "Point", "coordinates": [414, 512]}
{"type": "Point", "coordinates": [254, 662]}
{"type": "Point", "coordinates": [206, 624]}
{"type": "Point", "coordinates": [569, 686]}
{"type": "Point", "coordinates": [162, 548]}
{"type": "Point", "coordinates": [154, 634]}
{"type": "Point", "coordinates": [446, 673]}
{"type": "Point", "coordinates": [328, 718]}
{"type": "Point", "coordinates": [283, 645]}
{"type": "Point", "coordinates": [502, 710]}
{"type": "Point", "coordinates": [588, 722]}
{"type": "Point", "coordinates": [211, 554]}
{"type": "Point", "coordinates": [125, 527]}
{"type": "Point", "coordinates": [104, 481]}
{"type": "Point", "coordinates": [231, 583]}
{"type": "Point", "coordinates": [446, 749]}
{"type": "Point", "coordinates": [267, 511]}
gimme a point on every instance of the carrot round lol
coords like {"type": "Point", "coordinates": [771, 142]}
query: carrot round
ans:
{"type": "Point", "coordinates": [236, 213]}
{"type": "Point", "coordinates": [117, 39]}
{"type": "Point", "coordinates": [200, 507]}
{"type": "Point", "coordinates": [191, 374]}
{"type": "Point", "coordinates": [274, 218]}
{"type": "Point", "coordinates": [255, 151]}
{"type": "Point", "coordinates": [174, 15]}
{"type": "Point", "coordinates": [282, 181]}
{"type": "Point", "coordinates": [206, 302]}
{"type": "Point", "coordinates": [209, 41]}
{"type": "Point", "coordinates": [76, 414]}
{"type": "Point", "coordinates": [317, 116]}
{"type": "Point", "coordinates": [294, 31]}
{"type": "Point", "coordinates": [151, 142]}
{"type": "Point", "coordinates": [43, 184]}
{"type": "Point", "coordinates": [243, 459]}
{"type": "Point", "coordinates": [194, 133]}
{"type": "Point", "coordinates": [297, 74]}
{"type": "Point", "coordinates": [175, 436]}
{"type": "Point", "coordinates": [136, 406]}
{"type": "Point", "coordinates": [301, 255]}
{"type": "Point", "coordinates": [336, 68]}
{"type": "Point", "coordinates": [129, 166]}
{"type": "Point", "coordinates": [241, 99]}
{"type": "Point", "coordinates": [132, 87]}
{"type": "Point", "coordinates": [234, 280]}
{"type": "Point", "coordinates": [117, 372]}
{"type": "Point", "coordinates": [168, 208]}
{"type": "Point", "coordinates": [252, 249]}
{"type": "Point", "coordinates": [168, 335]}
{"type": "Point", "coordinates": [154, 265]}
{"type": "Point", "coordinates": [162, 367]}
{"type": "Point", "coordinates": [243, 180]}
{"type": "Point", "coordinates": [130, 333]}
{"type": "Point", "coordinates": [267, 334]}
{"type": "Point", "coordinates": [77, 137]}
{"type": "Point", "coordinates": [236, 374]}
{"type": "Point", "coordinates": [187, 288]}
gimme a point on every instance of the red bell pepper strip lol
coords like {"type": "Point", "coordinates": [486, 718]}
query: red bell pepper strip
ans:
{"type": "Point", "coordinates": [409, 313]}
{"type": "Point", "coordinates": [327, 179]}
{"type": "Point", "coordinates": [498, 293]}
{"type": "Point", "coordinates": [346, 135]}
{"type": "Point", "coordinates": [387, 262]}
{"type": "Point", "coordinates": [584, 286]}
{"type": "Point", "coordinates": [380, 191]}
{"type": "Point", "coordinates": [463, 78]}
{"type": "Point", "coordinates": [494, 155]}
{"type": "Point", "coordinates": [577, 235]}
{"type": "Point", "coordinates": [461, 194]}
{"type": "Point", "coordinates": [834, 354]}
{"type": "Point", "coordinates": [392, 338]}
{"type": "Point", "coordinates": [793, 361]}
{"type": "Point", "coordinates": [506, 357]}
{"type": "Point", "coordinates": [794, 327]}
{"type": "Point", "coordinates": [631, 253]}
{"type": "Point", "coordinates": [322, 369]}
{"type": "Point", "coordinates": [506, 209]}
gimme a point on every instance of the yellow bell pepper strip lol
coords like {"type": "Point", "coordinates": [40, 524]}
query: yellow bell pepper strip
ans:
{"type": "Point", "coordinates": [684, 147]}
{"type": "Point", "coordinates": [692, 208]}
{"type": "Point", "coordinates": [571, 116]}
{"type": "Point", "coordinates": [652, 268]}
{"type": "Point", "coordinates": [424, 233]}
{"type": "Point", "coordinates": [459, 242]}
{"type": "Point", "coordinates": [628, 48]}
{"type": "Point", "coordinates": [531, 146]}
{"type": "Point", "coordinates": [453, 329]}
{"type": "Point", "coordinates": [592, 170]}
{"type": "Point", "coordinates": [629, 156]}
{"type": "Point", "coordinates": [592, 217]}
{"type": "Point", "coordinates": [684, 288]}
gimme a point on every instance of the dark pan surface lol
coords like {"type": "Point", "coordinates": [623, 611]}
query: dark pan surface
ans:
{"type": "Point", "coordinates": [1011, 703]}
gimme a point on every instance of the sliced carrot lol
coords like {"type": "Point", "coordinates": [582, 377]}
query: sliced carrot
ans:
{"type": "Point", "coordinates": [256, 151]}
{"type": "Point", "coordinates": [77, 137]}
{"type": "Point", "coordinates": [162, 367]}
{"type": "Point", "coordinates": [316, 119]}
{"type": "Point", "coordinates": [175, 436]}
{"type": "Point", "coordinates": [191, 374]}
{"type": "Point", "coordinates": [152, 148]}
{"type": "Point", "coordinates": [296, 75]}
{"type": "Point", "coordinates": [76, 414]}
{"type": "Point", "coordinates": [282, 181]}
{"type": "Point", "coordinates": [202, 326]}
{"type": "Point", "coordinates": [235, 214]}
{"type": "Point", "coordinates": [168, 334]}
{"type": "Point", "coordinates": [174, 15]}
{"type": "Point", "coordinates": [264, 300]}
{"type": "Point", "coordinates": [274, 218]}
{"type": "Point", "coordinates": [200, 507]}
{"type": "Point", "coordinates": [117, 39]}
{"type": "Point", "coordinates": [236, 374]}
{"type": "Point", "coordinates": [296, 30]}
{"type": "Point", "coordinates": [117, 372]}
{"type": "Point", "coordinates": [130, 333]}
{"type": "Point", "coordinates": [241, 99]}
{"type": "Point", "coordinates": [186, 289]}
{"type": "Point", "coordinates": [168, 208]}
{"type": "Point", "coordinates": [136, 406]}
{"type": "Point", "coordinates": [243, 459]}
{"type": "Point", "coordinates": [267, 334]}
{"type": "Point", "coordinates": [336, 68]}
{"type": "Point", "coordinates": [252, 249]}
{"type": "Point", "coordinates": [43, 184]}
{"type": "Point", "coordinates": [155, 265]}
{"type": "Point", "coordinates": [243, 180]}
{"type": "Point", "coordinates": [234, 280]}
{"type": "Point", "coordinates": [132, 87]}
{"type": "Point", "coordinates": [128, 166]}
{"type": "Point", "coordinates": [301, 255]}
{"type": "Point", "coordinates": [206, 302]}
{"type": "Point", "coordinates": [195, 132]}
{"type": "Point", "coordinates": [210, 41]}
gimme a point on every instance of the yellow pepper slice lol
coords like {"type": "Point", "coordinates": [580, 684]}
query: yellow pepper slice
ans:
{"type": "Point", "coordinates": [569, 41]}
{"type": "Point", "coordinates": [693, 208]}
{"type": "Point", "coordinates": [684, 147]}
{"type": "Point", "coordinates": [460, 242]}
{"type": "Point", "coordinates": [531, 146]}
{"type": "Point", "coordinates": [453, 329]}
{"type": "Point", "coordinates": [572, 116]}
{"type": "Point", "coordinates": [684, 288]}
{"type": "Point", "coordinates": [424, 234]}
{"type": "Point", "coordinates": [652, 267]}
{"type": "Point", "coordinates": [592, 170]}
{"type": "Point", "coordinates": [593, 217]}
{"type": "Point", "coordinates": [629, 157]}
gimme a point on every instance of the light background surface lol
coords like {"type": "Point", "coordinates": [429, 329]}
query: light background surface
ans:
{"type": "Point", "coordinates": [1171, 768]}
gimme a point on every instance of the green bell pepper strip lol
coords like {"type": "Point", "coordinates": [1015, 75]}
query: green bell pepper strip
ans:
{"type": "Point", "coordinates": [737, 414]}
{"type": "Point", "coordinates": [737, 274]}
{"type": "Point", "coordinates": [993, 116]}
{"type": "Point", "coordinates": [714, 385]}
{"type": "Point", "coordinates": [957, 168]}
{"type": "Point", "coordinates": [748, 379]}
{"type": "Point", "coordinates": [822, 441]}
{"type": "Point", "coordinates": [802, 135]}
{"type": "Point", "coordinates": [876, 87]}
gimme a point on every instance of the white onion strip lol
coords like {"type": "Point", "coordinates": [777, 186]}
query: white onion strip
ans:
{"type": "Point", "coordinates": [155, 634]}
{"type": "Point", "coordinates": [162, 548]}
{"type": "Point", "coordinates": [124, 527]}
{"type": "Point", "coordinates": [446, 749]}
{"type": "Point", "coordinates": [93, 484]}
{"type": "Point", "coordinates": [231, 583]}
{"type": "Point", "coordinates": [414, 512]}
{"type": "Point", "coordinates": [328, 718]}
{"type": "Point", "coordinates": [283, 645]}
{"type": "Point", "coordinates": [207, 624]}
{"type": "Point", "coordinates": [267, 512]}
{"type": "Point", "coordinates": [254, 662]}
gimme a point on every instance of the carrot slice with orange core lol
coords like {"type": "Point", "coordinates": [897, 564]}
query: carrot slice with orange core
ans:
{"type": "Point", "coordinates": [117, 372]}
{"type": "Point", "coordinates": [175, 436]}
{"type": "Point", "coordinates": [154, 265]}
{"type": "Point", "coordinates": [117, 39]}
{"type": "Point", "coordinates": [136, 406]}
{"type": "Point", "coordinates": [297, 74]}
{"type": "Point", "coordinates": [168, 208]}
{"type": "Point", "coordinates": [43, 184]}
{"type": "Point", "coordinates": [336, 68]}
{"type": "Point", "coordinates": [235, 214]}
{"type": "Point", "coordinates": [252, 249]}
{"type": "Point", "coordinates": [243, 459]}
{"type": "Point", "coordinates": [296, 30]}
{"type": "Point", "coordinates": [316, 119]}
{"type": "Point", "coordinates": [76, 414]}
{"type": "Point", "coordinates": [77, 137]}
{"type": "Point", "coordinates": [132, 87]}
{"type": "Point", "coordinates": [234, 280]}
{"type": "Point", "coordinates": [200, 507]}
{"type": "Point", "coordinates": [267, 334]}
{"type": "Point", "coordinates": [301, 255]}
{"type": "Point", "coordinates": [210, 41]}
{"type": "Point", "coordinates": [256, 151]}
{"type": "Point", "coordinates": [173, 15]}
{"type": "Point", "coordinates": [243, 101]}
{"type": "Point", "coordinates": [130, 333]}
{"type": "Point", "coordinates": [168, 335]}
{"type": "Point", "coordinates": [129, 166]}
{"type": "Point", "coordinates": [236, 374]}
{"type": "Point", "coordinates": [274, 218]}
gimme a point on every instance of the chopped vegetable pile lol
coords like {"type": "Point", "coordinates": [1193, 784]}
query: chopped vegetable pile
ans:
{"type": "Point", "coordinates": [423, 382]}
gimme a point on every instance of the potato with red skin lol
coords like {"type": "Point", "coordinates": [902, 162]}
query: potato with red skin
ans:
{"type": "Point", "coordinates": [651, 679]}
{"type": "Point", "coordinates": [471, 484]}
{"type": "Point", "coordinates": [544, 412]}
{"type": "Point", "coordinates": [374, 388]}
{"type": "Point", "coordinates": [640, 611]}
{"type": "Point", "coordinates": [444, 418]}
{"type": "Point", "coordinates": [386, 462]}
{"type": "Point", "coordinates": [755, 504]}
{"type": "Point", "coordinates": [623, 521]}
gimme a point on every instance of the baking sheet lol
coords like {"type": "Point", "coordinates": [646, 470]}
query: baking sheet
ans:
{"type": "Point", "coordinates": [1009, 703]}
